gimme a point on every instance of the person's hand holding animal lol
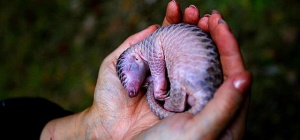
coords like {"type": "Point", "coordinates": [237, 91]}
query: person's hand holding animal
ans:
{"type": "Point", "coordinates": [114, 115]}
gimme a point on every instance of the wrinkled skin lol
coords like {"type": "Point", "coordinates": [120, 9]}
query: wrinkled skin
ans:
{"type": "Point", "coordinates": [114, 115]}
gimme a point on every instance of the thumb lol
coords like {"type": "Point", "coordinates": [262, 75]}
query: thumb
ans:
{"type": "Point", "coordinates": [228, 99]}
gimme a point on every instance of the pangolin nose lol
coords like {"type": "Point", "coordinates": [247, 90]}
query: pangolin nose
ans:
{"type": "Point", "coordinates": [133, 88]}
{"type": "Point", "coordinates": [132, 93]}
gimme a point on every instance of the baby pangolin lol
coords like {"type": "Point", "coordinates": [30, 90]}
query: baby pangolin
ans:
{"type": "Point", "coordinates": [181, 65]}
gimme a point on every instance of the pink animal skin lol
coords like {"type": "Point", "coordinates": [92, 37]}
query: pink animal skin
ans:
{"type": "Point", "coordinates": [180, 63]}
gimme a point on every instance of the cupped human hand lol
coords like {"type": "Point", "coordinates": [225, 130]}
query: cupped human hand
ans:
{"type": "Point", "coordinates": [114, 115]}
{"type": "Point", "coordinates": [223, 117]}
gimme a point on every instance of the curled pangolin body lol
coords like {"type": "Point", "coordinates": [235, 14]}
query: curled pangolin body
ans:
{"type": "Point", "coordinates": [180, 54]}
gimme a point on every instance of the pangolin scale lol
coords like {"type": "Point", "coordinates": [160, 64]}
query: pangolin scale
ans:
{"type": "Point", "coordinates": [183, 64]}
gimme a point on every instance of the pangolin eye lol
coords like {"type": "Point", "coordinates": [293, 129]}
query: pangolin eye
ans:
{"type": "Point", "coordinates": [133, 67]}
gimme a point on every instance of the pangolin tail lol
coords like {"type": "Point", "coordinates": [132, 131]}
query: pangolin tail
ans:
{"type": "Point", "coordinates": [155, 106]}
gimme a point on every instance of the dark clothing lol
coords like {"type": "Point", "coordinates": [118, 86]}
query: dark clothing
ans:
{"type": "Point", "coordinates": [24, 118]}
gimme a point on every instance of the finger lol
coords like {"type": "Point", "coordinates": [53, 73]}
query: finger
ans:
{"type": "Point", "coordinates": [203, 23]}
{"type": "Point", "coordinates": [237, 129]}
{"type": "Point", "coordinates": [134, 39]}
{"type": "Point", "coordinates": [173, 13]}
{"type": "Point", "coordinates": [191, 15]}
{"type": "Point", "coordinates": [217, 114]}
{"type": "Point", "coordinates": [230, 55]}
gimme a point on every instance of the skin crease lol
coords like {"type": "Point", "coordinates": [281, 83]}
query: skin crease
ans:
{"type": "Point", "coordinates": [114, 115]}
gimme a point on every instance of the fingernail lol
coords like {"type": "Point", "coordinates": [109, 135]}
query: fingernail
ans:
{"type": "Point", "coordinates": [193, 6]}
{"type": "Point", "coordinates": [207, 15]}
{"type": "Point", "coordinates": [215, 12]}
{"type": "Point", "coordinates": [242, 82]}
{"type": "Point", "coordinates": [239, 84]}
{"type": "Point", "coordinates": [173, 1]}
{"type": "Point", "coordinates": [222, 21]}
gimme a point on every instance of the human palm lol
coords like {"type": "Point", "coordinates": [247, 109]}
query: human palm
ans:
{"type": "Point", "coordinates": [129, 115]}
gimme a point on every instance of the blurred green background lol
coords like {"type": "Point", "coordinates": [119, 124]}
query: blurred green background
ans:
{"type": "Point", "coordinates": [53, 49]}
